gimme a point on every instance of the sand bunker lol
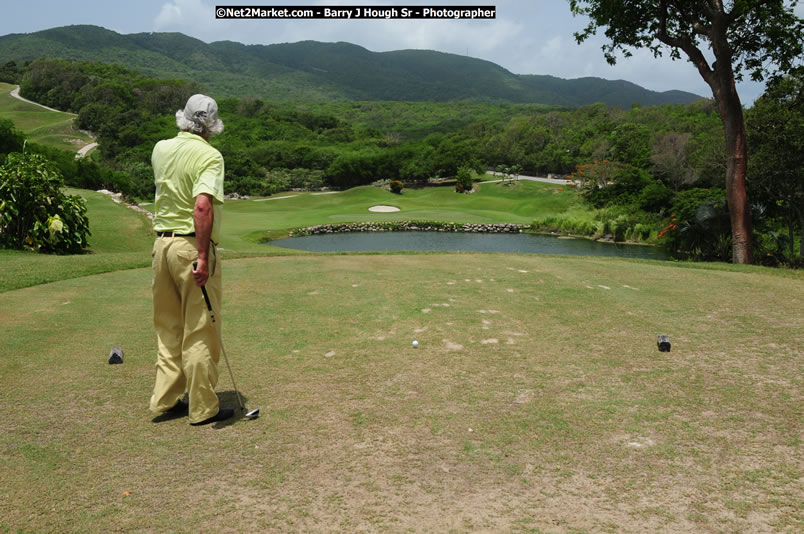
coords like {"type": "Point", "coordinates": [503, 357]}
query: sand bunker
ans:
{"type": "Point", "coordinates": [383, 209]}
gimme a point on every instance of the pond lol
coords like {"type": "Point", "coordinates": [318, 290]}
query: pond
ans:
{"type": "Point", "coordinates": [468, 242]}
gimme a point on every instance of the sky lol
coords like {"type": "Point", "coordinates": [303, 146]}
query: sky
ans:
{"type": "Point", "coordinates": [527, 36]}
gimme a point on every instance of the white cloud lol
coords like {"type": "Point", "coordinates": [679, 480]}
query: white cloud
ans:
{"type": "Point", "coordinates": [191, 17]}
{"type": "Point", "coordinates": [170, 15]}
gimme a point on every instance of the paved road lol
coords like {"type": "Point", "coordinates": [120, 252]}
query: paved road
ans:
{"type": "Point", "coordinates": [16, 94]}
{"type": "Point", "coordinates": [83, 151]}
{"type": "Point", "coordinates": [533, 179]}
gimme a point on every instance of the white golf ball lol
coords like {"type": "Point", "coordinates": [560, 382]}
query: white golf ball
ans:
{"type": "Point", "coordinates": [415, 343]}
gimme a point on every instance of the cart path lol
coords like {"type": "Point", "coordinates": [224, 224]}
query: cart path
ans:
{"type": "Point", "coordinates": [16, 94]}
{"type": "Point", "coordinates": [532, 179]}
{"type": "Point", "coordinates": [83, 151]}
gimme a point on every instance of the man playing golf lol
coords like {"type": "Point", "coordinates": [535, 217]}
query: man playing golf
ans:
{"type": "Point", "coordinates": [188, 173]}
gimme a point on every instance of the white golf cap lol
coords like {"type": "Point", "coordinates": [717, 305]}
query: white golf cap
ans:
{"type": "Point", "coordinates": [203, 110]}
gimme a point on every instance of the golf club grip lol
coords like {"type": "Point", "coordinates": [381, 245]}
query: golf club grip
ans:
{"type": "Point", "coordinates": [204, 291]}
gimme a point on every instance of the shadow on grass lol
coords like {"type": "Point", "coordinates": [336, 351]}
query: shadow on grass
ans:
{"type": "Point", "coordinates": [168, 416]}
{"type": "Point", "coordinates": [228, 399]}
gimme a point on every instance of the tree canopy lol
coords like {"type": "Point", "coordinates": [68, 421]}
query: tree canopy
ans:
{"type": "Point", "coordinates": [776, 141]}
{"type": "Point", "coordinates": [646, 168]}
{"type": "Point", "coordinates": [758, 37]}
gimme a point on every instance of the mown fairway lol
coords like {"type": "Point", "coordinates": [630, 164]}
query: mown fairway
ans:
{"type": "Point", "coordinates": [536, 402]}
{"type": "Point", "coordinates": [122, 238]}
{"type": "Point", "coordinates": [40, 125]}
{"type": "Point", "coordinates": [491, 203]}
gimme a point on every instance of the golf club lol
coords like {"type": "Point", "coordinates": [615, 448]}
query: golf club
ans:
{"type": "Point", "coordinates": [253, 414]}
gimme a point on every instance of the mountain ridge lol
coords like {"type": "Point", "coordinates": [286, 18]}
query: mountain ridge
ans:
{"type": "Point", "coordinates": [318, 71]}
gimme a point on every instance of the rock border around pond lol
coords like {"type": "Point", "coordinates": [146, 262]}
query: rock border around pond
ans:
{"type": "Point", "coordinates": [409, 226]}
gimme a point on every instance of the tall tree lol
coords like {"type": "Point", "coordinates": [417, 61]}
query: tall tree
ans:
{"type": "Point", "coordinates": [758, 37]}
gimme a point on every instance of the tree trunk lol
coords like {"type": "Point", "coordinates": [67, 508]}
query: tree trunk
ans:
{"type": "Point", "coordinates": [736, 165]}
{"type": "Point", "coordinates": [720, 79]}
{"type": "Point", "coordinates": [731, 113]}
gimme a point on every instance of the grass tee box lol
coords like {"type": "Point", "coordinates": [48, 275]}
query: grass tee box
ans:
{"type": "Point", "coordinates": [536, 401]}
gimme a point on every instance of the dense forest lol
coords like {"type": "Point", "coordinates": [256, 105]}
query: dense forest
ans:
{"type": "Point", "coordinates": [659, 167]}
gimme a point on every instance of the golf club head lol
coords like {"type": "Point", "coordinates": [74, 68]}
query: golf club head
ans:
{"type": "Point", "coordinates": [253, 414]}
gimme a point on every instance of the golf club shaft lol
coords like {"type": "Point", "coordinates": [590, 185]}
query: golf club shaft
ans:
{"type": "Point", "coordinates": [223, 349]}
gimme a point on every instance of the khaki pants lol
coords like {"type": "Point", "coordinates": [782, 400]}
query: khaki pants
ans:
{"type": "Point", "coordinates": [188, 349]}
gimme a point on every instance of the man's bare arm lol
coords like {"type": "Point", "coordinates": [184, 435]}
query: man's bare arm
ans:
{"type": "Point", "coordinates": [203, 216]}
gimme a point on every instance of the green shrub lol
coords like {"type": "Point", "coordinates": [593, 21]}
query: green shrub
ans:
{"type": "Point", "coordinates": [566, 224]}
{"type": "Point", "coordinates": [464, 179]}
{"type": "Point", "coordinates": [686, 203]}
{"type": "Point", "coordinates": [656, 197]}
{"type": "Point", "coordinates": [307, 179]}
{"type": "Point", "coordinates": [641, 232]}
{"type": "Point", "coordinates": [276, 181]}
{"type": "Point", "coordinates": [34, 213]}
{"type": "Point", "coordinates": [619, 226]}
{"type": "Point", "coordinates": [700, 228]}
{"type": "Point", "coordinates": [396, 187]}
{"type": "Point", "coordinates": [11, 139]}
{"type": "Point", "coordinates": [705, 237]}
{"type": "Point", "coordinates": [577, 225]}
{"type": "Point", "coordinates": [611, 183]}
{"type": "Point", "coordinates": [629, 234]}
{"type": "Point", "coordinates": [550, 223]}
{"type": "Point", "coordinates": [771, 248]}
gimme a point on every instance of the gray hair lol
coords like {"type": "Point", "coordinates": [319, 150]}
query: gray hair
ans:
{"type": "Point", "coordinates": [200, 116]}
{"type": "Point", "coordinates": [198, 128]}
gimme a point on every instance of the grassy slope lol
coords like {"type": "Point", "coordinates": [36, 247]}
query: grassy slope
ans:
{"type": "Point", "coordinates": [40, 125]}
{"type": "Point", "coordinates": [114, 227]}
{"type": "Point", "coordinates": [121, 239]}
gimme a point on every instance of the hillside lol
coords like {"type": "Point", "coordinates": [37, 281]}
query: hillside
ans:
{"type": "Point", "coordinates": [316, 71]}
{"type": "Point", "coordinates": [52, 128]}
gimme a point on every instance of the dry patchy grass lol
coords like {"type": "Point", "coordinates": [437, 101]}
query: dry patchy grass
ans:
{"type": "Point", "coordinates": [536, 402]}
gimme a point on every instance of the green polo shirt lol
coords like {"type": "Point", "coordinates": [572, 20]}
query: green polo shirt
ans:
{"type": "Point", "coordinates": [185, 167]}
